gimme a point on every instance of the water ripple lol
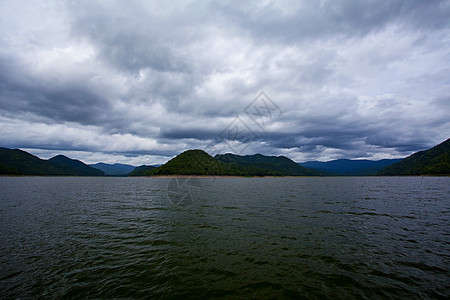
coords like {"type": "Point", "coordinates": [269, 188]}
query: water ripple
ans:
{"type": "Point", "coordinates": [317, 238]}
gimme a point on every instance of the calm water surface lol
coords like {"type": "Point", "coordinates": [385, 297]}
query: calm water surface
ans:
{"type": "Point", "coordinates": [336, 237]}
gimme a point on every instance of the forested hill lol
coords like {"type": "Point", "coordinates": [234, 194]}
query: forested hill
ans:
{"type": "Point", "coordinates": [434, 161]}
{"type": "Point", "coordinates": [198, 162]}
{"type": "Point", "coordinates": [18, 162]}
{"type": "Point", "coordinates": [275, 164]}
{"type": "Point", "coordinates": [74, 167]}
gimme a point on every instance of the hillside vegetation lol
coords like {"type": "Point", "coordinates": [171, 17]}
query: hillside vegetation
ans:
{"type": "Point", "coordinates": [198, 162]}
{"type": "Point", "coordinates": [18, 162]}
{"type": "Point", "coordinates": [434, 161]}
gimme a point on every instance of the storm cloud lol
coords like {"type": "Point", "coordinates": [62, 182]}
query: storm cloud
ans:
{"type": "Point", "coordinates": [141, 81]}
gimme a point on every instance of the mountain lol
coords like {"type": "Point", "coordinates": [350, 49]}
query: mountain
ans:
{"type": "Point", "coordinates": [15, 161]}
{"type": "Point", "coordinates": [191, 162]}
{"type": "Point", "coordinates": [350, 167]}
{"type": "Point", "coordinates": [434, 161]}
{"type": "Point", "coordinates": [74, 167]}
{"type": "Point", "coordinates": [114, 169]}
{"type": "Point", "coordinates": [5, 170]}
{"type": "Point", "coordinates": [18, 162]}
{"type": "Point", "coordinates": [141, 170]}
{"type": "Point", "coordinates": [198, 162]}
{"type": "Point", "coordinates": [276, 165]}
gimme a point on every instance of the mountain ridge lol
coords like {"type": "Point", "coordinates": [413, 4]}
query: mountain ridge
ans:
{"type": "Point", "coordinates": [272, 164]}
{"type": "Point", "coordinates": [113, 169]}
{"type": "Point", "coordinates": [350, 167]}
{"type": "Point", "coordinates": [19, 162]}
{"type": "Point", "coordinates": [198, 162]}
{"type": "Point", "coordinates": [141, 170]}
{"type": "Point", "coordinates": [434, 161]}
{"type": "Point", "coordinates": [74, 167]}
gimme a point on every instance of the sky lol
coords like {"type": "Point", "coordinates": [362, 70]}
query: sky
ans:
{"type": "Point", "coordinates": [139, 82]}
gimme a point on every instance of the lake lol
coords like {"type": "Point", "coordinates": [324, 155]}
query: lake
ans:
{"type": "Point", "coordinates": [240, 238]}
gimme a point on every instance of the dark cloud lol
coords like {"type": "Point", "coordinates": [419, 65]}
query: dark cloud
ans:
{"type": "Point", "coordinates": [69, 100]}
{"type": "Point", "coordinates": [296, 21]}
{"type": "Point", "coordinates": [147, 80]}
{"type": "Point", "coordinates": [71, 104]}
{"type": "Point", "coordinates": [193, 133]}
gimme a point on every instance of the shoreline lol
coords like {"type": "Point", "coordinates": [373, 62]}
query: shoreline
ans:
{"type": "Point", "coordinates": [281, 176]}
{"type": "Point", "coordinates": [223, 176]}
{"type": "Point", "coordinates": [213, 176]}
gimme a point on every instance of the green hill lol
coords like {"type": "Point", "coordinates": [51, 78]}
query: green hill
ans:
{"type": "Point", "coordinates": [191, 162]}
{"type": "Point", "coordinates": [276, 165]}
{"type": "Point", "coordinates": [21, 162]}
{"type": "Point", "coordinates": [141, 170]}
{"type": "Point", "coordinates": [5, 170]}
{"type": "Point", "coordinates": [74, 167]}
{"type": "Point", "coordinates": [434, 161]}
{"type": "Point", "coordinates": [18, 162]}
{"type": "Point", "coordinates": [198, 162]}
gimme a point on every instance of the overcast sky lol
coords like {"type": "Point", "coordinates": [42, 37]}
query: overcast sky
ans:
{"type": "Point", "coordinates": [141, 81]}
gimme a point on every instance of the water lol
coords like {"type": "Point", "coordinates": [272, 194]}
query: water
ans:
{"type": "Point", "coordinates": [335, 237]}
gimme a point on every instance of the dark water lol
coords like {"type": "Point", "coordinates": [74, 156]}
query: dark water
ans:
{"type": "Point", "coordinates": [243, 238]}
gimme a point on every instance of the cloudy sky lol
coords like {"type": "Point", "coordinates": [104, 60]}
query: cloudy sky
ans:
{"type": "Point", "coordinates": [141, 81]}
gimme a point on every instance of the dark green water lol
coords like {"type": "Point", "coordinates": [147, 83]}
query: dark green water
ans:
{"type": "Point", "coordinates": [243, 238]}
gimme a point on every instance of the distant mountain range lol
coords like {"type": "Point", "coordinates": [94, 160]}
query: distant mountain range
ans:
{"type": "Point", "coordinates": [348, 167]}
{"type": "Point", "coordinates": [18, 162]}
{"type": "Point", "coordinates": [435, 161]}
{"type": "Point", "coordinates": [114, 169]}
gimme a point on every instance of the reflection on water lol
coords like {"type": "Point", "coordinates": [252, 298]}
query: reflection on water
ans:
{"type": "Point", "coordinates": [244, 237]}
